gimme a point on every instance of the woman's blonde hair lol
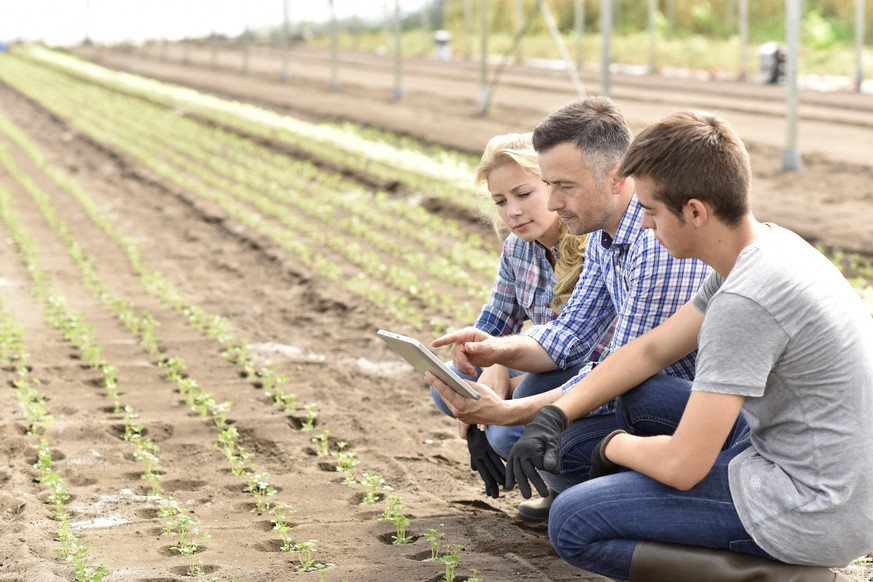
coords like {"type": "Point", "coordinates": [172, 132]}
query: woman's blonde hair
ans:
{"type": "Point", "coordinates": [571, 252]}
{"type": "Point", "coordinates": [518, 148]}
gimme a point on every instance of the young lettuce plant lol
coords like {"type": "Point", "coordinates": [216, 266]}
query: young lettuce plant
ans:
{"type": "Point", "coordinates": [451, 560]}
{"type": "Point", "coordinates": [306, 556]}
{"type": "Point", "coordinates": [434, 538]}
{"type": "Point", "coordinates": [394, 514]}
{"type": "Point", "coordinates": [322, 443]}
{"type": "Point", "coordinates": [311, 415]}
{"type": "Point", "coordinates": [281, 513]}
{"type": "Point", "coordinates": [346, 462]}
{"type": "Point", "coordinates": [373, 483]}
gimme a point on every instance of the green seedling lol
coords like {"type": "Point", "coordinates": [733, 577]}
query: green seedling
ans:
{"type": "Point", "coordinates": [281, 513]}
{"type": "Point", "coordinates": [132, 430]}
{"type": "Point", "coordinates": [451, 560]}
{"type": "Point", "coordinates": [85, 573]}
{"type": "Point", "coordinates": [322, 443]}
{"type": "Point", "coordinates": [188, 529]}
{"type": "Point", "coordinates": [219, 412]}
{"type": "Point", "coordinates": [435, 539]}
{"type": "Point", "coordinates": [373, 483]}
{"type": "Point", "coordinates": [311, 415]}
{"type": "Point", "coordinates": [261, 489]}
{"type": "Point", "coordinates": [147, 453]}
{"type": "Point", "coordinates": [475, 577]}
{"type": "Point", "coordinates": [394, 514]}
{"type": "Point", "coordinates": [306, 556]}
{"type": "Point", "coordinates": [346, 462]}
{"type": "Point", "coordinates": [203, 401]}
{"type": "Point", "coordinates": [175, 367]}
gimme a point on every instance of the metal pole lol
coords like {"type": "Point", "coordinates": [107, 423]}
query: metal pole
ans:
{"type": "Point", "coordinates": [398, 53]}
{"type": "Point", "coordinates": [334, 82]}
{"type": "Point", "coordinates": [519, 22]}
{"type": "Point", "coordinates": [731, 10]}
{"type": "Point", "coordinates": [286, 33]}
{"type": "Point", "coordinates": [744, 38]}
{"type": "Point", "coordinates": [859, 43]}
{"type": "Point", "coordinates": [483, 57]}
{"type": "Point", "coordinates": [791, 157]}
{"type": "Point", "coordinates": [653, 65]}
{"type": "Point", "coordinates": [424, 16]}
{"type": "Point", "coordinates": [559, 42]}
{"type": "Point", "coordinates": [245, 41]}
{"type": "Point", "coordinates": [605, 30]}
{"type": "Point", "coordinates": [87, 21]}
{"type": "Point", "coordinates": [468, 29]}
{"type": "Point", "coordinates": [579, 25]}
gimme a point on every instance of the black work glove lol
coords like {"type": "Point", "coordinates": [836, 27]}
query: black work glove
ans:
{"type": "Point", "coordinates": [537, 449]}
{"type": "Point", "coordinates": [600, 465]}
{"type": "Point", "coordinates": [485, 459]}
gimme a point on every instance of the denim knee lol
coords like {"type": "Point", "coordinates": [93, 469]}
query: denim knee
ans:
{"type": "Point", "coordinates": [501, 438]}
{"type": "Point", "coordinates": [438, 400]}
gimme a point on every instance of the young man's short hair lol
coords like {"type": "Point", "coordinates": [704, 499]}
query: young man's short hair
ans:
{"type": "Point", "coordinates": [693, 154]}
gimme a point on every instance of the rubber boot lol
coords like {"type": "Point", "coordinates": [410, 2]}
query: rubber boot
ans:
{"type": "Point", "coordinates": [659, 562]}
{"type": "Point", "coordinates": [535, 510]}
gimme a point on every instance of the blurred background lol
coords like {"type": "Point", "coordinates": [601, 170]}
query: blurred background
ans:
{"type": "Point", "coordinates": [720, 37]}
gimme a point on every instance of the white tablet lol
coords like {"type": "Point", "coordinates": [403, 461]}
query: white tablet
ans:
{"type": "Point", "coordinates": [423, 360]}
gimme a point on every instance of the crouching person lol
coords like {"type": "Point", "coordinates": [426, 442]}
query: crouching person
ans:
{"type": "Point", "coordinates": [782, 339]}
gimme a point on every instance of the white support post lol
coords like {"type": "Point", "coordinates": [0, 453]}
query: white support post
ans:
{"type": "Point", "coordinates": [791, 156]}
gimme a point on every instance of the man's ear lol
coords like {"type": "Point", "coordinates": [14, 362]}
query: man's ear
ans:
{"type": "Point", "coordinates": [696, 212]}
{"type": "Point", "coordinates": [617, 184]}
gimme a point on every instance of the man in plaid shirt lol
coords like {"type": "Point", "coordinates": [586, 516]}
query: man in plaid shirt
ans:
{"type": "Point", "coordinates": [628, 280]}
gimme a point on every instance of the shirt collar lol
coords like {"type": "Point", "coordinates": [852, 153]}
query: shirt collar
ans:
{"type": "Point", "coordinates": [628, 227]}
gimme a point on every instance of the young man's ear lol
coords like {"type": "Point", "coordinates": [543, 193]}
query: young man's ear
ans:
{"type": "Point", "coordinates": [696, 212]}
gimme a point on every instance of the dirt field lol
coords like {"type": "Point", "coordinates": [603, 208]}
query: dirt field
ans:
{"type": "Point", "coordinates": [319, 334]}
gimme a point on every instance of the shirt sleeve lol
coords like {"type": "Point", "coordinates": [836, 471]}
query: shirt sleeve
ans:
{"type": "Point", "coordinates": [739, 345]}
{"type": "Point", "coordinates": [502, 314]}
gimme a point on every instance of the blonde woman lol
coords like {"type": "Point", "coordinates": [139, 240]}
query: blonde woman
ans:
{"type": "Point", "coordinates": [539, 267]}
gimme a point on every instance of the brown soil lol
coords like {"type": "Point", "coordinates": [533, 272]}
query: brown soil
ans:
{"type": "Point", "coordinates": [320, 335]}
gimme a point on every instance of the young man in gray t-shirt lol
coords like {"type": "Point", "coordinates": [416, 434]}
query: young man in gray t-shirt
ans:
{"type": "Point", "coordinates": [782, 339]}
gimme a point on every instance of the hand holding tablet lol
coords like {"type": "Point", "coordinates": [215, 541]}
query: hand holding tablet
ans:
{"type": "Point", "coordinates": [424, 360]}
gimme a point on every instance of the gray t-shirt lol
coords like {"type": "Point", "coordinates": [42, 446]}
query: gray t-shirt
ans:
{"type": "Point", "coordinates": [787, 331]}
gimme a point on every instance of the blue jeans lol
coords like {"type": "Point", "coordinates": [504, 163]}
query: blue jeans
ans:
{"type": "Point", "coordinates": [596, 525]}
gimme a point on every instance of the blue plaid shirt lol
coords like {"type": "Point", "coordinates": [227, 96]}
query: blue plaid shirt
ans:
{"type": "Point", "coordinates": [523, 290]}
{"type": "Point", "coordinates": [629, 280]}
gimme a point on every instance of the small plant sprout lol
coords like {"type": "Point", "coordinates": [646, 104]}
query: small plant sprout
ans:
{"type": "Point", "coordinates": [394, 514]}
{"type": "Point", "coordinates": [435, 539]}
{"type": "Point", "coordinates": [175, 368]}
{"type": "Point", "coordinates": [306, 556]}
{"type": "Point", "coordinates": [451, 560]}
{"type": "Point", "coordinates": [475, 577]}
{"type": "Point", "coordinates": [188, 529]}
{"type": "Point", "coordinates": [132, 430]}
{"type": "Point", "coordinates": [261, 489]}
{"type": "Point", "coordinates": [372, 483]}
{"type": "Point", "coordinates": [147, 453]}
{"type": "Point", "coordinates": [281, 513]}
{"type": "Point", "coordinates": [287, 401]}
{"type": "Point", "coordinates": [346, 462]}
{"type": "Point", "coordinates": [322, 443]}
{"type": "Point", "coordinates": [219, 412]}
{"type": "Point", "coordinates": [311, 415]}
